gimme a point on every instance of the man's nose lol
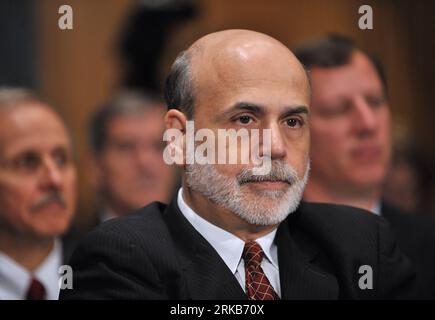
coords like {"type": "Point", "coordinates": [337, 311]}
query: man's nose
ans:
{"type": "Point", "coordinates": [145, 156]}
{"type": "Point", "coordinates": [52, 174]}
{"type": "Point", "coordinates": [278, 148]}
{"type": "Point", "coordinates": [365, 121]}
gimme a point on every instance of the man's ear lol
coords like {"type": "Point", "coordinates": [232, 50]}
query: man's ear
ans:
{"type": "Point", "coordinates": [175, 119]}
{"type": "Point", "coordinates": [175, 135]}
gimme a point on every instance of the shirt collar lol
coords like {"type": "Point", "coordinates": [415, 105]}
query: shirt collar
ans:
{"type": "Point", "coordinates": [228, 246]}
{"type": "Point", "coordinates": [15, 279]}
{"type": "Point", "coordinates": [269, 247]}
{"type": "Point", "coordinates": [48, 272]}
{"type": "Point", "coordinates": [377, 209]}
{"type": "Point", "coordinates": [107, 214]}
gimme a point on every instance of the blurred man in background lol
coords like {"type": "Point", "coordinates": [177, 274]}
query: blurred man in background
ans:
{"type": "Point", "coordinates": [126, 139]}
{"type": "Point", "coordinates": [37, 196]}
{"type": "Point", "coordinates": [404, 183]}
{"type": "Point", "coordinates": [351, 144]}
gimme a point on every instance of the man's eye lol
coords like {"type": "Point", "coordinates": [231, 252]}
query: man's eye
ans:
{"type": "Point", "coordinates": [61, 158]}
{"type": "Point", "coordinates": [244, 119]}
{"type": "Point", "coordinates": [28, 161]}
{"type": "Point", "coordinates": [375, 102]}
{"type": "Point", "coordinates": [335, 110]}
{"type": "Point", "coordinates": [293, 122]}
{"type": "Point", "coordinates": [125, 146]}
{"type": "Point", "coordinates": [159, 145]}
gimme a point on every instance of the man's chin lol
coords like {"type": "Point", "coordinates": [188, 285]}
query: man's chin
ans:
{"type": "Point", "coordinates": [53, 225]}
{"type": "Point", "coordinates": [369, 181]}
{"type": "Point", "coordinates": [264, 215]}
{"type": "Point", "coordinates": [49, 233]}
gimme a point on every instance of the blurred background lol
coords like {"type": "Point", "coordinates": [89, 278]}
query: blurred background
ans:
{"type": "Point", "coordinates": [132, 43]}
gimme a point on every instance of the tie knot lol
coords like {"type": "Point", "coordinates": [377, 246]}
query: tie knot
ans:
{"type": "Point", "coordinates": [36, 290]}
{"type": "Point", "coordinates": [252, 254]}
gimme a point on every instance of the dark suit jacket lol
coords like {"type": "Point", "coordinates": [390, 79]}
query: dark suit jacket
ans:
{"type": "Point", "coordinates": [69, 241]}
{"type": "Point", "coordinates": [416, 237]}
{"type": "Point", "coordinates": [156, 253]}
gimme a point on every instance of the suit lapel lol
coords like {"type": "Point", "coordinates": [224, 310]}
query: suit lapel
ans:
{"type": "Point", "coordinates": [300, 279]}
{"type": "Point", "coordinates": [206, 274]}
{"type": "Point", "coordinates": [208, 277]}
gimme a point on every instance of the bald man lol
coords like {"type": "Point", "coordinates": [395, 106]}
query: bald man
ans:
{"type": "Point", "coordinates": [37, 196]}
{"type": "Point", "coordinates": [234, 230]}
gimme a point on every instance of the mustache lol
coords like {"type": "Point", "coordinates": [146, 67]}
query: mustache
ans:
{"type": "Point", "coordinates": [279, 172]}
{"type": "Point", "coordinates": [52, 197]}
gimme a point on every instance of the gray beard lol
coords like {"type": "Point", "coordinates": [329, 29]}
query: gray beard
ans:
{"type": "Point", "coordinates": [266, 207]}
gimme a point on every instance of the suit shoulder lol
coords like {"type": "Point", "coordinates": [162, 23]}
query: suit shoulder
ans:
{"type": "Point", "coordinates": [143, 232]}
{"type": "Point", "coordinates": [144, 223]}
{"type": "Point", "coordinates": [339, 216]}
{"type": "Point", "coordinates": [409, 220]}
{"type": "Point", "coordinates": [413, 230]}
{"type": "Point", "coordinates": [351, 231]}
{"type": "Point", "coordinates": [122, 258]}
{"type": "Point", "coordinates": [349, 238]}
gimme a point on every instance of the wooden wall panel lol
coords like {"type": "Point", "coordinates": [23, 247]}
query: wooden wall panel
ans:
{"type": "Point", "coordinates": [77, 69]}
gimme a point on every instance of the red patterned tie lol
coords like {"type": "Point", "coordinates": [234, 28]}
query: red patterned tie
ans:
{"type": "Point", "coordinates": [258, 286]}
{"type": "Point", "coordinates": [36, 291]}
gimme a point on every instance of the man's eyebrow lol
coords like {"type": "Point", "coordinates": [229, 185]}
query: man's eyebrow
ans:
{"type": "Point", "coordinates": [242, 106]}
{"type": "Point", "coordinates": [261, 110]}
{"type": "Point", "coordinates": [290, 111]}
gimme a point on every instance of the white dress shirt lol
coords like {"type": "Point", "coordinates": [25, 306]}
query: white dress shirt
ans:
{"type": "Point", "coordinates": [230, 248]}
{"type": "Point", "coordinates": [107, 214]}
{"type": "Point", "coordinates": [377, 209]}
{"type": "Point", "coordinates": [15, 279]}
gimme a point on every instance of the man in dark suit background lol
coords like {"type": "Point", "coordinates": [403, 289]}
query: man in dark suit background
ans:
{"type": "Point", "coordinates": [351, 144]}
{"type": "Point", "coordinates": [37, 196]}
{"type": "Point", "coordinates": [231, 233]}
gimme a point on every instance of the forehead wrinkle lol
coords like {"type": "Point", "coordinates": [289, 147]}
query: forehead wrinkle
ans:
{"type": "Point", "coordinates": [236, 49]}
{"type": "Point", "coordinates": [31, 128]}
{"type": "Point", "coordinates": [240, 56]}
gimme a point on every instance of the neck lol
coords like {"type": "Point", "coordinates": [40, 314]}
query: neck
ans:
{"type": "Point", "coordinates": [360, 198]}
{"type": "Point", "coordinates": [223, 218]}
{"type": "Point", "coordinates": [116, 208]}
{"type": "Point", "coordinates": [29, 252]}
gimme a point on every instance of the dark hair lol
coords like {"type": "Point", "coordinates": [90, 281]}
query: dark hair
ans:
{"type": "Point", "coordinates": [178, 89]}
{"type": "Point", "coordinates": [333, 50]}
{"type": "Point", "coordinates": [126, 102]}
